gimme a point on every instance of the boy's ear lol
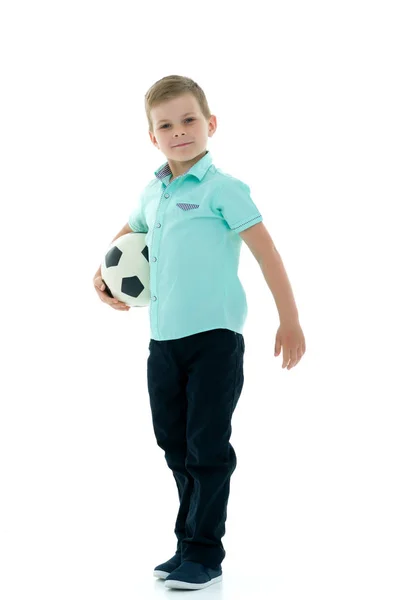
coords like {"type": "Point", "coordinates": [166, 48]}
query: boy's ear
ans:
{"type": "Point", "coordinates": [153, 139]}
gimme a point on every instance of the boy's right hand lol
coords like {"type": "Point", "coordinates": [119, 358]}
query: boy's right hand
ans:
{"type": "Point", "coordinates": [104, 297]}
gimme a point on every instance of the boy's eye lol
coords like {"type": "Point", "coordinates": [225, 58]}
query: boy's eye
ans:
{"type": "Point", "coordinates": [188, 119]}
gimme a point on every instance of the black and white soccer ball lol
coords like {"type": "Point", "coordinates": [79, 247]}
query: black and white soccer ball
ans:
{"type": "Point", "coordinates": [125, 270]}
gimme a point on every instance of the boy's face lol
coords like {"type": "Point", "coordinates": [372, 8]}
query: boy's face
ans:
{"type": "Point", "coordinates": [178, 128]}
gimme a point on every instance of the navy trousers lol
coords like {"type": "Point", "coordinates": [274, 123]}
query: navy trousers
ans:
{"type": "Point", "coordinates": [194, 385]}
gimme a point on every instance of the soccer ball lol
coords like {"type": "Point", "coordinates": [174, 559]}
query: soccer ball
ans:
{"type": "Point", "coordinates": [125, 270]}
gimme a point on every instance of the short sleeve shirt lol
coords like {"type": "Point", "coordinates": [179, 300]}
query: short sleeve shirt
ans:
{"type": "Point", "coordinates": [192, 228]}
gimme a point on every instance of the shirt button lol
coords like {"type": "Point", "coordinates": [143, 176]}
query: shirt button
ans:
{"type": "Point", "coordinates": [154, 259]}
{"type": "Point", "coordinates": [158, 225]}
{"type": "Point", "coordinates": [166, 196]}
{"type": "Point", "coordinates": [154, 297]}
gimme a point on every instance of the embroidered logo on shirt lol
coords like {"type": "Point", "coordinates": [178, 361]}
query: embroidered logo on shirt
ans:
{"type": "Point", "coordinates": [185, 206]}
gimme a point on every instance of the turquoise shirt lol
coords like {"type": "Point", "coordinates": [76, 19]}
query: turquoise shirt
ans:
{"type": "Point", "coordinates": [192, 227]}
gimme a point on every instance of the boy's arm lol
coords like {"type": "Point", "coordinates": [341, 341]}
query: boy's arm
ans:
{"type": "Point", "coordinates": [261, 245]}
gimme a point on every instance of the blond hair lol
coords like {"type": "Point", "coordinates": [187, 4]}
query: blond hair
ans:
{"type": "Point", "coordinates": [171, 87]}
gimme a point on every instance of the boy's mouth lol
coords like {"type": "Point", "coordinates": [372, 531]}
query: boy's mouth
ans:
{"type": "Point", "coordinates": [184, 144]}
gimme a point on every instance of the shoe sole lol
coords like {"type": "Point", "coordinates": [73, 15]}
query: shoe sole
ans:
{"type": "Point", "coordinates": [184, 585]}
{"type": "Point", "coordinates": [161, 574]}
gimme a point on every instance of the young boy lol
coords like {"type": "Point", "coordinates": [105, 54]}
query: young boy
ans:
{"type": "Point", "coordinates": [195, 217]}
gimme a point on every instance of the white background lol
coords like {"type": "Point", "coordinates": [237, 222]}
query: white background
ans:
{"type": "Point", "coordinates": [307, 100]}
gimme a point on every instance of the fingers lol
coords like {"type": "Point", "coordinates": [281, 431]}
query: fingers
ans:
{"type": "Point", "coordinates": [119, 305]}
{"type": "Point", "coordinates": [113, 302]}
{"type": "Point", "coordinates": [293, 358]}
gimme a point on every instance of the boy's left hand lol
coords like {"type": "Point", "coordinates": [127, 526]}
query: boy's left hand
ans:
{"type": "Point", "coordinates": [291, 338]}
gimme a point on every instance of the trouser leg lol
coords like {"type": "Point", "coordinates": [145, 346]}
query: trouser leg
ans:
{"type": "Point", "coordinates": [215, 382]}
{"type": "Point", "coordinates": [167, 392]}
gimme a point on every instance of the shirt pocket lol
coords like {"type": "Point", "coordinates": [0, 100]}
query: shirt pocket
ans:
{"type": "Point", "coordinates": [186, 211]}
{"type": "Point", "coordinates": [186, 206]}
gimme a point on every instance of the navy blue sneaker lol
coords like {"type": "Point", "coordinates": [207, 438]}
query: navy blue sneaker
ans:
{"type": "Point", "coordinates": [192, 575]}
{"type": "Point", "coordinates": [162, 571]}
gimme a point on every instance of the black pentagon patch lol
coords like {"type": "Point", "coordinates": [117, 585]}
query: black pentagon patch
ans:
{"type": "Point", "coordinates": [113, 257]}
{"type": "Point", "coordinates": [145, 253]}
{"type": "Point", "coordinates": [132, 286]}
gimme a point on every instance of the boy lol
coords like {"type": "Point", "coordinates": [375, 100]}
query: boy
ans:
{"type": "Point", "coordinates": [195, 217]}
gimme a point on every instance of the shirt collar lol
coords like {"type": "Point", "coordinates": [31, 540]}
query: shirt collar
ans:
{"type": "Point", "coordinates": [199, 169]}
